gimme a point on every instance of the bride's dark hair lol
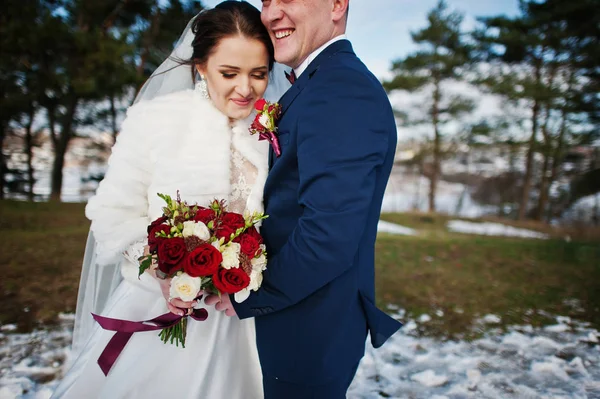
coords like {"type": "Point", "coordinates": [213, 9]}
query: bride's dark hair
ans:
{"type": "Point", "coordinates": [229, 18]}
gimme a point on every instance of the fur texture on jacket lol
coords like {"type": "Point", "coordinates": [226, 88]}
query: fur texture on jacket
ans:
{"type": "Point", "coordinates": [177, 142]}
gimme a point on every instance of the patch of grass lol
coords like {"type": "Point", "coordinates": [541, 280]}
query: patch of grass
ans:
{"type": "Point", "coordinates": [468, 276]}
{"type": "Point", "coordinates": [41, 249]}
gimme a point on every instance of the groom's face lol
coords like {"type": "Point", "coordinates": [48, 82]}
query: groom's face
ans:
{"type": "Point", "coordinates": [297, 27]}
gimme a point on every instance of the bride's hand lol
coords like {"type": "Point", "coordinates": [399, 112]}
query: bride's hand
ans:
{"type": "Point", "coordinates": [176, 305]}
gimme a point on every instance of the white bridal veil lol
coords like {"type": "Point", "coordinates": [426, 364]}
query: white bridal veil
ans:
{"type": "Point", "coordinates": [99, 281]}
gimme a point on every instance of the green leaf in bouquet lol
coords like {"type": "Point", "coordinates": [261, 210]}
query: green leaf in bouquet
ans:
{"type": "Point", "coordinates": [171, 205]}
{"type": "Point", "coordinates": [145, 264]}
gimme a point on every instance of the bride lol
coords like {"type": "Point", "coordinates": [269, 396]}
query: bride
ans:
{"type": "Point", "coordinates": [189, 135]}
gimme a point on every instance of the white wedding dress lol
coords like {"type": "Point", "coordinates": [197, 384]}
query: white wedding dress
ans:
{"type": "Point", "coordinates": [178, 142]}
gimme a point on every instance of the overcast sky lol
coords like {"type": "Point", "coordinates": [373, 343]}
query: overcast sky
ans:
{"type": "Point", "coordinates": [380, 29]}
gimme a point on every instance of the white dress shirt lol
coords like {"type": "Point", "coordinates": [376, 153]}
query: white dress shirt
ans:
{"type": "Point", "coordinates": [302, 67]}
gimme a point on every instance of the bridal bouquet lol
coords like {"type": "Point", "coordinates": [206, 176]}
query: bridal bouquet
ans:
{"type": "Point", "coordinates": [204, 249]}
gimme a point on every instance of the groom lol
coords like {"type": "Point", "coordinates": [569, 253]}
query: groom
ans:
{"type": "Point", "coordinates": [323, 197]}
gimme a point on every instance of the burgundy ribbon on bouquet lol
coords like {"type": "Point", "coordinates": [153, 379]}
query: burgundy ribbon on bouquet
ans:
{"type": "Point", "coordinates": [125, 329]}
{"type": "Point", "coordinates": [271, 137]}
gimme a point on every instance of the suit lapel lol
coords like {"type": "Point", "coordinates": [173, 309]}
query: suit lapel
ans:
{"type": "Point", "coordinates": [292, 93]}
{"type": "Point", "coordinates": [289, 96]}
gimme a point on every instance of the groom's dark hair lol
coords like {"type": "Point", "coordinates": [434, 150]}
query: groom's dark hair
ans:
{"type": "Point", "coordinates": [229, 18]}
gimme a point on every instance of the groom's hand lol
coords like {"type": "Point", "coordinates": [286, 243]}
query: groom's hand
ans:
{"type": "Point", "coordinates": [222, 304]}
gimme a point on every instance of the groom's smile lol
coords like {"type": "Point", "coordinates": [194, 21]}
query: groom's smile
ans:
{"type": "Point", "coordinates": [298, 27]}
{"type": "Point", "coordinates": [283, 33]}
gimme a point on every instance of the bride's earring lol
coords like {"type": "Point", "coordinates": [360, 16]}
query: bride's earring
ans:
{"type": "Point", "coordinates": [202, 87]}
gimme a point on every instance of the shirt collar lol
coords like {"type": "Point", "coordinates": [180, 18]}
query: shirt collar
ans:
{"type": "Point", "coordinates": [302, 67]}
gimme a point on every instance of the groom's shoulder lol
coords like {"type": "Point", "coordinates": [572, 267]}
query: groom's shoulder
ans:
{"type": "Point", "coordinates": [347, 70]}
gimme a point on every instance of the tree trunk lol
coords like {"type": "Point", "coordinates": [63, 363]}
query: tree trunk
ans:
{"type": "Point", "coordinates": [544, 187]}
{"type": "Point", "coordinates": [557, 156]}
{"type": "Point", "coordinates": [2, 163]}
{"type": "Point", "coordinates": [417, 200]}
{"type": "Point", "coordinates": [29, 153]}
{"type": "Point", "coordinates": [531, 148]}
{"type": "Point", "coordinates": [113, 117]}
{"type": "Point", "coordinates": [529, 164]}
{"type": "Point", "coordinates": [544, 183]}
{"type": "Point", "coordinates": [436, 146]}
{"type": "Point", "coordinates": [61, 144]}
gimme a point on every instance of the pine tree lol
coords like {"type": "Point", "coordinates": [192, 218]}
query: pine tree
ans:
{"type": "Point", "coordinates": [442, 56]}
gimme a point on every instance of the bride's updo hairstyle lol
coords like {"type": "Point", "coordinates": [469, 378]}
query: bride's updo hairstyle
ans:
{"type": "Point", "coordinates": [229, 18]}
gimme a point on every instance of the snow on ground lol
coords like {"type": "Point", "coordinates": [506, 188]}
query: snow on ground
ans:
{"type": "Point", "coordinates": [492, 229]}
{"type": "Point", "coordinates": [585, 209]}
{"type": "Point", "coordinates": [406, 192]}
{"type": "Point", "coordinates": [559, 361]}
{"type": "Point", "coordinates": [392, 228]}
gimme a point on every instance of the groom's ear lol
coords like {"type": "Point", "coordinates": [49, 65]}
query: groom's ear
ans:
{"type": "Point", "coordinates": [340, 10]}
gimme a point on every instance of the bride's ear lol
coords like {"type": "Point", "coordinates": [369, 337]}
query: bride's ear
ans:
{"type": "Point", "coordinates": [200, 69]}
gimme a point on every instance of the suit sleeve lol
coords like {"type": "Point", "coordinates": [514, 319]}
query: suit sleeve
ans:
{"type": "Point", "coordinates": [342, 143]}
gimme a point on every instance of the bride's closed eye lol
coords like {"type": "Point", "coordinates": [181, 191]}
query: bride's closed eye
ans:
{"type": "Point", "coordinates": [260, 76]}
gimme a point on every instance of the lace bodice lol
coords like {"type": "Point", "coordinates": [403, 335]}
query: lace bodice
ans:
{"type": "Point", "coordinates": [243, 177]}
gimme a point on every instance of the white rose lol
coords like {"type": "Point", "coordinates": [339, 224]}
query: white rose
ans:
{"type": "Point", "coordinates": [265, 121]}
{"type": "Point", "coordinates": [217, 245]}
{"type": "Point", "coordinates": [256, 279]}
{"type": "Point", "coordinates": [242, 295]}
{"type": "Point", "coordinates": [231, 255]}
{"type": "Point", "coordinates": [185, 287]}
{"type": "Point", "coordinates": [201, 231]}
{"type": "Point", "coordinates": [260, 263]}
{"type": "Point", "coordinates": [198, 229]}
{"type": "Point", "coordinates": [188, 228]}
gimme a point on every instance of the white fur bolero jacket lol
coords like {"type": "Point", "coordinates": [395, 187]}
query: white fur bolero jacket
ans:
{"type": "Point", "coordinates": [177, 142]}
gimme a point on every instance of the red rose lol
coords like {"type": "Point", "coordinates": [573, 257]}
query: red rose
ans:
{"type": "Point", "coordinates": [256, 124]}
{"type": "Point", "coordinates": [171, 253]}
{"type": "Point", "coordinates": [230, 281]}
{"type": "Point", "coordinates": [224, 232]}
{"type": "Point", "coordinates": [260, 104]}
{"type": "Point", "coordinates": [157, 222]}
{"type": "Point", "coordinates": [228, 225]}
{"type": "Point", "coordinates": [233, 220]}
{"type": "Point", "coordinates": [205, 215]}
{"type": "Point", "coordinates": [249, 241]}
{"type": "Point", "coordinates": [203, 261]}
{"type": "Point", "coordinates": [153, 240]}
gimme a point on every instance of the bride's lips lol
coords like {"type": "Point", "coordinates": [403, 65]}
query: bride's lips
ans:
{"type": "Point", "coordinates": [242, 102]}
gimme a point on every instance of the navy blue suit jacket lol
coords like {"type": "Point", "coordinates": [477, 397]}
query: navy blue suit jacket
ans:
{"type": "Point", "coordinates": [323, 196]}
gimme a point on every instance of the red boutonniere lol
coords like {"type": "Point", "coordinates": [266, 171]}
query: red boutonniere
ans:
{"type": "Point", "coordinates": [265, 123]}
